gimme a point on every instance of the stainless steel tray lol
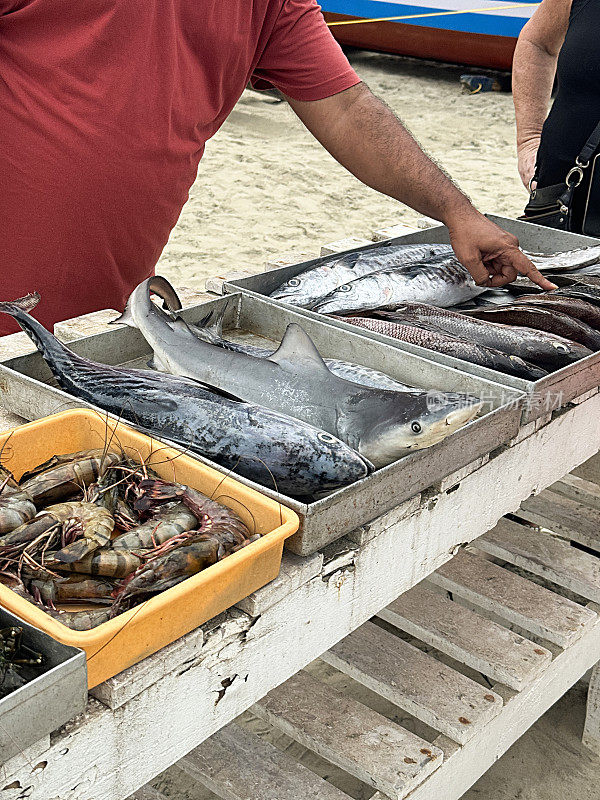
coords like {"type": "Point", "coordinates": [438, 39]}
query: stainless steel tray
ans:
{"type": "Point", "coordinates": [26, 388]}
{"type": "Point", "coordinates": [544, 395]}
{"type": "Point", "coordinates": [48, 701]}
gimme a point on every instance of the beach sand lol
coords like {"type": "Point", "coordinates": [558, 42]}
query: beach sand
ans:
{"type": "Point", "coordinates": [265, 186]}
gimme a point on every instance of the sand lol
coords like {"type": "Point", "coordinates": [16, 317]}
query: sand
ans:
{"type": "Point", "coordinates": [265, 186]}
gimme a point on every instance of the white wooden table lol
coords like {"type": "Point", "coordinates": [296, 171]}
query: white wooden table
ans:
{"type": "Point", "coordinates": [147, 718]}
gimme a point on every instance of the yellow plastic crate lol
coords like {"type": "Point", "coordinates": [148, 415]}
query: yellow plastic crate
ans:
{"type": "Point", "coordinates": [144, 629]}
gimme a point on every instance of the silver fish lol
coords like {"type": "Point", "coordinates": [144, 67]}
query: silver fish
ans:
{"type": "Point", "coordinates": [381, 425]}
{"type": "Point", "coordinates": [267, 447]}
{"type": "Point", "coordinates": [450, 345]}
{"type": "Point", "coordinates": [569, 260]}
{"type": "Point", "coordinates": [443, 283]}
{"type": "Point", "coordinates": [211, 330]}
{"type": "Point", "coordinates": [311, 285]}
{"type": "Point", "coordinates": [546, 349]}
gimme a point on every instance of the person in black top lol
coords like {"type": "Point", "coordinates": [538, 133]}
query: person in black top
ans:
{"type": "Point", "coordinates": [562, 39]}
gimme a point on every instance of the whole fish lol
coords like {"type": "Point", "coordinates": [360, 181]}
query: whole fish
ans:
{"type": "Point", "coordinates": [566, 261]}
{"type": "Point", "coordinates": [444, 283]}
{"type": "Point", "coordinates": [578, 339]}
{"type": "Point", "coordinates": [450, 346]}
{"type": "Point", "coordinates": [537, 346]}
{"type": "Point", "coordinates": [314, 283]}
{"type": "Point", "coordinates": [588, 292]}
{"type": "Point", "coordinates": [211, 330]}
{"type": "Point", "coordinates": [381, 425]}
{"type": "Point", "coordinates": [260, 444]}
{"type": "Point", "coordinates": [573, 306]}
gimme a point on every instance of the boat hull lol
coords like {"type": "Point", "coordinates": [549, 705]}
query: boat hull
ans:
{"type": "Point", "coordinates": [438, 44]}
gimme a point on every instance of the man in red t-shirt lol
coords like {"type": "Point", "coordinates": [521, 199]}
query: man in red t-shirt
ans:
{"type": "Point", "coordinates": [105, 108]}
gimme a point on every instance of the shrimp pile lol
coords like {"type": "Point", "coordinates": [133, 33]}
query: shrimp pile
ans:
{"type": "Point", "coordinates": [95, 528]}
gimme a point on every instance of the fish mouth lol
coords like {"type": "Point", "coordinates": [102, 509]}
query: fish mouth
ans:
{"type": "Point", "coordinates": [448, 423]}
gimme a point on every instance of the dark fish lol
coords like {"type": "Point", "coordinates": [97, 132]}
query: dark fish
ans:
{"type": "Point", "coordinates": [541, 348]}
{"type": "Point", "coordinates": [573, 306]}
{"type": "Point", "coordinates": [548, 320]}
{"type": "Point", "coordinates": [451, 346]}
{"type": "Point", "coordinates": [586, 292]}
{"type": "Point", "coordinates": [260, 444]}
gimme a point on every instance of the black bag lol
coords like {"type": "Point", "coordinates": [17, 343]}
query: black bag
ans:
{"type": "Point", "coordinates": [575, 204]}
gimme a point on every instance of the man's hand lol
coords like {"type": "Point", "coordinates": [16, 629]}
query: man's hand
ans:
{"type": "Point", "coordinates": [491, 255]}
{"type": "Point", "coordinates": [370, 141]}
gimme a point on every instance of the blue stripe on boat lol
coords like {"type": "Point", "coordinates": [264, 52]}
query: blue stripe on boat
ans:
{"type": "Point", "coordinates": [494, 24]}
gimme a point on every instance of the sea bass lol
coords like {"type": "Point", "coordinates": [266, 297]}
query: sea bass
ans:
{"type": "Point", "coordinates": [578, 339]}
{"type": "Point", "coordinates": [443, 283]}
{"type": "Point", "coordinates": [450, 346]}
{"type": "Point", "coordinates": [545, 349]}
{"type": "Point", "coordinates": [311, 285]}
{"type": "Point", "coordinates": [381, 425]}
{"type": "Point", "coordinates": [267, 447]}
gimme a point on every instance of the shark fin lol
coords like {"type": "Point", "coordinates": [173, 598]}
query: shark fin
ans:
{"type": "Point", "coordinates": [126, 318]}
{"type": "Point", "coordinates": [297, 348]}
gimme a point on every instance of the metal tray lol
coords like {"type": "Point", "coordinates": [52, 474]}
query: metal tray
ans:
{"type": "Point", "coordinates": [27, 388]}
{"type": "Point", "coordinates": [48, 701]}
{"type": "Point", "coordinates": [544, 395]}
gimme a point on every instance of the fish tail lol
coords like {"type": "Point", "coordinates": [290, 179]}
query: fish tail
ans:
{"type": "Point", "coordinates": [162, 288]}
{"type": "Point", "coordinates": [16, 308]}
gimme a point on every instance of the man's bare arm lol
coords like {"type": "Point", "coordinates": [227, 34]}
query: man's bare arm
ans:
{"type": "Point", "coordinates": [534, 67]}
{"type": "Point", "coordinates": [365, 136]}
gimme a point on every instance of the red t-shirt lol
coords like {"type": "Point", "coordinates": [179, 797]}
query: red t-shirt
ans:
{"type": "Point", "coordinates": [105, 107]}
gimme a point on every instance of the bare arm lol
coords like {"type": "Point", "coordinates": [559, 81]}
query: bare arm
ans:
{"type": "Point", "coordinates": [534, 67]}
{"type": "Point", "coordinates": [364, 135]}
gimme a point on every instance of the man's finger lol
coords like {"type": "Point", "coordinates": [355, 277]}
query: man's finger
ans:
{"type": "Point", "coordinates": [479, 272]}
{"type": "Point", "coordinates": [523, 265]}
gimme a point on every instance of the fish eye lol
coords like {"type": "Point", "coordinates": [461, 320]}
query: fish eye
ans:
{"type": "Point", "coordinates": [415, 427]}
{"type": "Point", "coordinates": [345, 288]}
{"type": "Point", "coordinates": [562, 348]}
{"type": "Point", "coordinates": [325, 437]}
{"type": "Point", "coordinates": [293, 282]}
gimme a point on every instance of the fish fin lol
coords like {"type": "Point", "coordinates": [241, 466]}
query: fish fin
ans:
{"type": "Point", "coordinates": [297, 347]}
{"type": "Point", "coordinates": [210, 327]}
{"type": "Point", "coordinates": [155, 363]}
{"type": "Point", "coordinates": [126, 318]}
{"type": "Point", "coordinates": [162, 288]}
{"type": "Point", "coordinates": [217, 390]}
{"type": "Point", "coordinates": [26, 303]}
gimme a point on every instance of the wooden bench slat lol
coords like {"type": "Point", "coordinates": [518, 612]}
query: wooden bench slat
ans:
{"type": "Point", "coordinates": [575, 488]}
{"type": "Point", "coordinates": [566, 517]}
{"type": "Point", "coordinates": [491, 649]}
{"type": "Point", "coordinates": [350, 735]}
{"type": "Point", "coordinates": [237, 765]}
{"type": "Point", "coordinates": [546, 556]}
{"type": "Point", "coordinates": [431, 691]}
{"type": "Point", "coordinates": [513, 598]}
